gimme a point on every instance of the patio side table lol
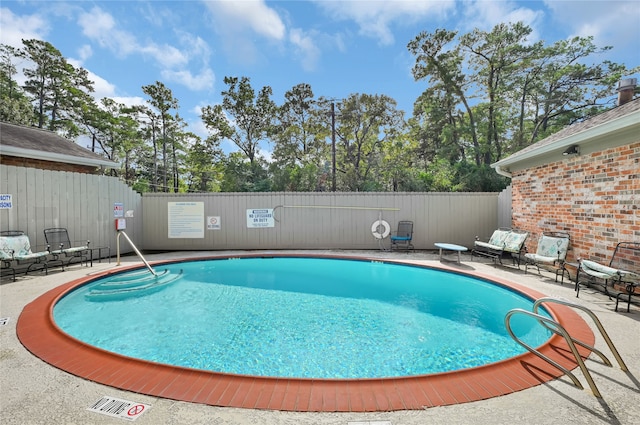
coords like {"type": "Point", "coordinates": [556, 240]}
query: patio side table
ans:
{"type": "Point", "coordinates": [450, 247]}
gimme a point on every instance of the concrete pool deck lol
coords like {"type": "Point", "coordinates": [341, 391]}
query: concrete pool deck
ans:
{"type": "Point", "coordinates": [34, 392]}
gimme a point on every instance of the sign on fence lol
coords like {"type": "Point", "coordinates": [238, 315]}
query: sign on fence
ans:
{"type": "Point", "coordinates": [186, 219]}
{"type": "Point", "coordinates": [6, 202]}
{"type": "Point", "coordinates": [260, 218]}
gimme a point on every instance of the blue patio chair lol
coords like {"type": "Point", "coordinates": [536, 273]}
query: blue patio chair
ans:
{"type": "Point", "coordinates": [403, 236]}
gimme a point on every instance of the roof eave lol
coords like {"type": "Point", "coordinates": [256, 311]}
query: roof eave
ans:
{"type": "Point", "coordinates": [55, 157]}
{"type": "Point", "coordinates": [624, 123]}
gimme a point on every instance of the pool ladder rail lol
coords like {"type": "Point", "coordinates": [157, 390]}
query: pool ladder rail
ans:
{"type": "Point", "coordinates": [558, 329]}
{"type": "Point", "coordinates": [146, 263]}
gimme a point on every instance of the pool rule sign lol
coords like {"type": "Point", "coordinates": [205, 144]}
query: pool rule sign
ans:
{"type": "Point", "coordinates": [260, 218]}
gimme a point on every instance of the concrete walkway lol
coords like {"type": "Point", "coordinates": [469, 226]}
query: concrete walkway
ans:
{"type": "Point", "coordinates": [33, 392]}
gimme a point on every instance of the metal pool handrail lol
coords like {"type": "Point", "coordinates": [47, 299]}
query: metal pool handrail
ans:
{"type": "Point", "coordinates": [121, 232]}
{"type": "Point", "coordinates": [561, 331]}
{"type": "Point", "coordinates": [595, 319]}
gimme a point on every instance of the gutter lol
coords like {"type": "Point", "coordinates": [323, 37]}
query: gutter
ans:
{"type": "Point", "coordinates": [502, 172]}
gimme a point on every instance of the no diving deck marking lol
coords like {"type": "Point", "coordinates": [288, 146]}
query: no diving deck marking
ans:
{"type": "Point", "coordinates": [118, 408]}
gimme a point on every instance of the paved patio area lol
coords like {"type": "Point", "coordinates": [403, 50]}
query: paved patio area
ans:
{"type": "Point", "coordinates": [34, 392]}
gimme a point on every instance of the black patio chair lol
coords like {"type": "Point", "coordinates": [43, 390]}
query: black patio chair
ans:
{"type": "Point", "coordinates": [60, 246]}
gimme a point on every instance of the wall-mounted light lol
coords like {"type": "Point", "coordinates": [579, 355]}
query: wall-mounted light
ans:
{"type": "Point", "coordinates": [572, 150]}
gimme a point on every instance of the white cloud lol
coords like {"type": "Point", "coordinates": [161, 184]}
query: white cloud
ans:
{"type": "Point", "coordinates": [238, 22]}
{"type": "Point", "coordinates": [15, 28]}
{"type": "Point", "coordinates": [375, 18]}
{"type": "Point", "coordinates": [101, 27]}
{"type": "Point", "coordinates": [129, 100]}
{"type": "Point", "coordinates": [85, 52]}
{"type": "Point", "coordinates": [255, 15]}
{"type": "Point", "coordinates": [615, 23]}
{"type": "Point", "coordinates": [306, 49]}
{"type": "Point", "coordinates": [202, 81]}
{"type": "Point", "coordinates": [485, 15]}
{"type": "Point", "coordinates": [102, 88]}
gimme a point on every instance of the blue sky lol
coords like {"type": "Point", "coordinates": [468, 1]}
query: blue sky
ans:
{"type": "Point", "coordinates": [338, 47]}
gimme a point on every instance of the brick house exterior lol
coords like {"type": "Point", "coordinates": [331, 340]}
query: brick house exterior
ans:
{"type": "Point", "coordinates": [593, 194]}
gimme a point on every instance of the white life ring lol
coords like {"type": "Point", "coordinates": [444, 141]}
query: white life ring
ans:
{"type": "Point", "coordinates": [375, 229]}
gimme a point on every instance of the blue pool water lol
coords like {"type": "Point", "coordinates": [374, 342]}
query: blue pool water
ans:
{"type": "Point", "coordinates": [304, 318]}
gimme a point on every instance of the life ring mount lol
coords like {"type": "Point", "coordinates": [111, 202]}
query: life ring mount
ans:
{"type": "Point", "coordinates": [380, 229]}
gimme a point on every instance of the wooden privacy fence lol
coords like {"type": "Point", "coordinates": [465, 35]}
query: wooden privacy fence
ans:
{"type": "Point", "coordinates": [84, 204]}
{"type": "Point", "coordinates": [221, 221]}
{"type": "Point", "coordinates": [87, 206]}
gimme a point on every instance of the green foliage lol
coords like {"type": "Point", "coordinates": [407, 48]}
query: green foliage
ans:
{"type": "Point", "coordinates": [204, 165]}
{"type": "Point", "coordinates": [493, 93]}
{"type": "Point", "coordinates": [487, 95]}
{"type": "Point", "coordinates": [14, 104]}
{"type": "Point", "coordinates": [241, 175]}
{"type": "Point", "coordinates": [251, 114]}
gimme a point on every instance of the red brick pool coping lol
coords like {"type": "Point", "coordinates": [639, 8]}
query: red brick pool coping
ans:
{"type": "Point", "coordinates": [38, 332]}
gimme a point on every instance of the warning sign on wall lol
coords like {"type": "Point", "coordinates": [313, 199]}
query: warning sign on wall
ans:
{"type": "Point", "coordinates": [213, 223]}
{"type": "Point", "coordinates": [260, 218]}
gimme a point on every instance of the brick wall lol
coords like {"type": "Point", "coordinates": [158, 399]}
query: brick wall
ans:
{"type": "Point", "coordinates": [47, 165]}
{"type": "Point", "coordinates": [595, 198]}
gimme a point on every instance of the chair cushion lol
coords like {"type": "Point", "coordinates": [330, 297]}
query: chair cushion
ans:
{"type": "Point", "coordinates": [549, 246]}
{"type": "Point", "coordinates": [75, 249]}
{"type": "Point", "coordinates": [498, 237]}
{"type": "Point", "coordinates": [19, 245]}
{"type": "Point", "coordinates": [598, 270]}
{"type": "Point", "coordinates": [540, 258]}
{"type": "Point", "coordinates": [32, 256]}
{"type": "Point", "coordinates": [514, 241]}
{"type": "Point", "coordinates": [400, 238]}
{"type": "Point", "coordinates": [488, 245]}
{"type": "Point", "coordinates": [5, 249]}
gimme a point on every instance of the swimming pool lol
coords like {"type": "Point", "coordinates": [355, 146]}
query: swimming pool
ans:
{"type": "Point", "coordinates": [301, 318]}
{"type": "Point", "coordinates": [38, 332]}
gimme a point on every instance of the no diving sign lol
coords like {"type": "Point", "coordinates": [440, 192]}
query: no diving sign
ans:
{"type": "Point", "coordinates": [117, 408]}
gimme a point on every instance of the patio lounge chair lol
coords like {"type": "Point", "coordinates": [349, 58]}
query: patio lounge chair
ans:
{"type": "Point", "coordinates": [60, 246]}
{"type": "Point", "coordinates": [621, 278]}
{"type": "Point", "coordinates": [15, 250]}
{"type": "Point", "coordinates": [402, 237]}
{"type": "Point", "coordinates": [503, 240]}
{"type": "Point", "coordinates": [551, 251]}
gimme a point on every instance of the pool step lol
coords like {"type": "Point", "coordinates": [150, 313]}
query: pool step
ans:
{"type": "Point", "coordinates": [143, 285]}
{"type": "Point", "coordinates": [137, 279]}
{"type": "Point", "coordinates": [128, 276]}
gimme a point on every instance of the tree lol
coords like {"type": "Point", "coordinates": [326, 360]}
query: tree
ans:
{"type": "Point", "coordinates": [252, 115]}
{"type": "Point", "coordinates": [241, 175]}
{"type": "Point", "coordinates": [568, 89]}
{"type": "Point", "coordinates": [14, 104]}
{"type": "Point", "coordinates": [495, 56]}
{"type": "Point", "coordinates": [203, 163]}
{"type": "Point", "coordinates": [442, 66]}
{"type": "Point", "coordinates": [57, 88]}
{"type": "Point", "coordinates": [246, 119]}
{"type": "Point", "coordinates": [492, 93]}
{"type": "Point", "coordinates": [300, 153]}
{"type": "Point", "coordinates": [162, 100]}
{"type": "Point", "coordinates": [364, 124]}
